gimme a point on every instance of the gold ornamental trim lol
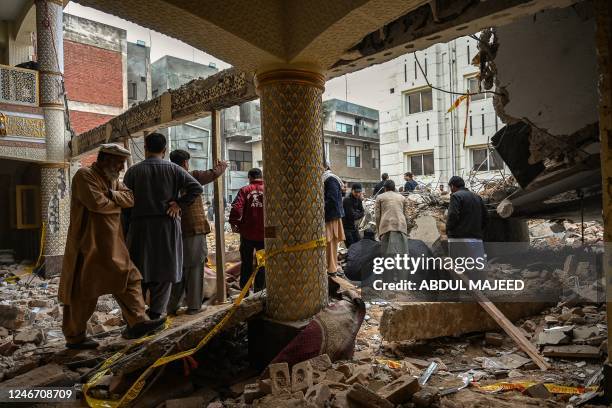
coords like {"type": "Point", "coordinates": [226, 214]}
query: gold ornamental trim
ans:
{"type": "Point", "coordinates": [22, 126]}
{"type": "Point", "coordinates": [290, 76]}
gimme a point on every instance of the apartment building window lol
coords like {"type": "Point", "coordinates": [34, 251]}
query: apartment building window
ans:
{"type": "Point", "coordinates": [375, 159]}
{"type": "Point", "coordinates": [418, 101]}
{"type": "Point", "coordinates": [484, 159]}
{"type": "Point", "coordinates": [473, 88]}
{"type": "Point", "coordinates": [240, 160]}
{"type": "Point", "coordinates": [353, 156]}
{"type": "Point", "coordinates": [326, 145]}
{"type": "Point", "coordinates": [344, 127]}
{"type": "Point", "coordinates": [132, 90]}
{"type": "Point", "coordinates": [421, 164]}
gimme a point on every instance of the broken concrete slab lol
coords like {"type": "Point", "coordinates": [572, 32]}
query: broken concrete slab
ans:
{"type": "Point", "coordinates": [585, 333]}
{"type": "Point", "coordinates": [35, 336]}
{"type": "Point", "coordinates": [12, 317]}
{"type": "Point", "coordinates": [400, 390]}
{"type": "Point", "coordinates": [360, 396]}
{"type": "Point", "coordinates": [425, 397]}
{"type": "Point", "coordinates": [318, 394]}
{"type": "Point", "coordinates": [572, 351]}
{"type": "Point", "coordinates": [426, 229]}
{"type": "Point", "coordinates": [427, 320]}
{"type": "Point", "coordinates": [49, 375]}
{"type": "Point", "coordinates": [553, 338]}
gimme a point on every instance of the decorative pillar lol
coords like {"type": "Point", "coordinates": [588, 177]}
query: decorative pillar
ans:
{"type": "Point", "coordinates": [291, 118]}
{"type": "Point", "coordinates": [54, 181]}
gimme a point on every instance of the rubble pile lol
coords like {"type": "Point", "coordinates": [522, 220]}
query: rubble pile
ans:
{"type": "Point", "coordinates": [31, 319]}
{"type": "Point", "coordinates": [494, 191]}
{"type": "Point", "coordinates": [557, 233]}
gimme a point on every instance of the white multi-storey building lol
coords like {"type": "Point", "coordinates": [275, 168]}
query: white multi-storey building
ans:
{"type": "Point", "coordinates": [418, 134]}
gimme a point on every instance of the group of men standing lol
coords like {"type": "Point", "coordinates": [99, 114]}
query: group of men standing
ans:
{"type": "Point", "coordinates": [466, 220]}
{"type": "Point", "coordinates": [143, 238]}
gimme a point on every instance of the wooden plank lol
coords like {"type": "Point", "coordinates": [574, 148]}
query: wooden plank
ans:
{"type": "Point", "coordinates": [510, 329]}
{"type": "Point", "coordinates": [572, 351]}
{"type": "Point", "coordinates": [219, 208]}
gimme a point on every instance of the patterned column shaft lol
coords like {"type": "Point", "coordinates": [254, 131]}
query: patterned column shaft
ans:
{"type": "Point", "coordinates": [50, 57]}
{"type": "Point", "coordinates": [293, 167]}
{"type": "Point", "coordinates": [55, 195]}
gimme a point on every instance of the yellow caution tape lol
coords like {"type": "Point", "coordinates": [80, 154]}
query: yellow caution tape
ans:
{"type": "Point", "coordinates": [135, 389]}
{"type": "Point", "coordinates": [30, 269]}
{"type": "Point", "coordinates": [522, 385]}
{"type": "Point", "coordinates": [261, 255]}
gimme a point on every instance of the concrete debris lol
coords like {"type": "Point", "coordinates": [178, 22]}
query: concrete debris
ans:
{"type": "Point", "coordinates": [572, 351]}
{"type": "Point", "coordinates": [551, 234]}
{"type": "Point", "coordinates": [360, 396]}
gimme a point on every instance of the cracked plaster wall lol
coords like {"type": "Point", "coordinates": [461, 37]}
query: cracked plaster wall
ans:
{"type": "Point", "coordinates": [547, 64]}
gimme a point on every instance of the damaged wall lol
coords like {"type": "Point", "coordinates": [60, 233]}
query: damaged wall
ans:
{"type": "Point", "coordinates": [548, 66]}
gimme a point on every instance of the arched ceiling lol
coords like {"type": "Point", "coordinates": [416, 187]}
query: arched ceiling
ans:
{"type": "Point", "coordinates": [252, 34]}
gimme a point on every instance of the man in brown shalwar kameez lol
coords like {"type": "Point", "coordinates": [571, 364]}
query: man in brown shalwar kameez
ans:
{"type": "Point", "coordinates": [96, 259]}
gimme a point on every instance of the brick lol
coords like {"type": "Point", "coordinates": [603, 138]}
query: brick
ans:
{"type": "Point", "coordinates": [425, 397]}
{"type": "Point", "coordinates": [83, 121]}
{"type": "Point", "coordinates": [360, 396]}
{"type": "Point", "coordinates": [400, 390]}
{"type": "Point", "coordinates": [35, 336]}
{"type": "Point", "coordinates": [318, 394]}
{"type": "Point", "coordinates": [538, 391]}
{"type": "Point", "coordinates": [334, 376]}
{"type": "Point", "coordinates": [12, 317]}
{"type": "Point", "coordinates": [301, 376]}
{"type": "Point", "coordinates": [279, 378]}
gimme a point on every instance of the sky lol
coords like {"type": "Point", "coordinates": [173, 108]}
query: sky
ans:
{"type": "Point", "coordinates": [359, 87]}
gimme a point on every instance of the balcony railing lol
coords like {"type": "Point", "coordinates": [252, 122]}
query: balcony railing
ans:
{"type": "Point", "coordinates": [18, 86]}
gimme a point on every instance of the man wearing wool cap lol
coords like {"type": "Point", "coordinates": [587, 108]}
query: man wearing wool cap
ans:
{"type": "Point", "coordinates": [96, 259]}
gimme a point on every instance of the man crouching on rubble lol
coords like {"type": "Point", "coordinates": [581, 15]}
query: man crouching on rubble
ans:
{"type": "Point", "coordinates": [96, 259]}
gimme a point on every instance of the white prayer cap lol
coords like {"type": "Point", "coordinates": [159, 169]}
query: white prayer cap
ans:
{"type": "Point", "coordinates": [112, 148]}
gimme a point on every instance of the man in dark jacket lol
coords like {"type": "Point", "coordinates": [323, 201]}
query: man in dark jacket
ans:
{"type": "Point", "coordinates": [410, 183]}
{"type": "Point", "coordinates": [379, 188]}
{"type": "Point", "coordinates": [247, 218]}
{"type": "Point", "coordinates": [465, 222]}
{"type": "Point", "coordinates": [353, 211]}
{"type": "Point", "coordinates": [332, 187]}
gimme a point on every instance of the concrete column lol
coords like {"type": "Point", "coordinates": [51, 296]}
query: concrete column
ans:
{"type": "Point", "coordinates": [291, 118]}
{"type": "Point", "coordinates": [54, 173]}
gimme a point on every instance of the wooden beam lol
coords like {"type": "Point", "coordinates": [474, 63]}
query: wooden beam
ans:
{"type": "Point", "coordinates": [191, 101]}
{"type": "Point", "coordinates": [219, 208]}
{"type": "Point", "coordinates": [603, 13]}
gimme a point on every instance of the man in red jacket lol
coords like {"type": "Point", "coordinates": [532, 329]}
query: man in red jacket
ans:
{"type": "Point", "coordinates": [247, 218]}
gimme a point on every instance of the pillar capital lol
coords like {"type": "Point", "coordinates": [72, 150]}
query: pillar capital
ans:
{"type": "Point", "coordinates": [290, 75]}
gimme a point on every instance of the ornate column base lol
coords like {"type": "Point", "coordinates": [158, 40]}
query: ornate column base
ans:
{"type": "Point", "coordinates": [291, 114]}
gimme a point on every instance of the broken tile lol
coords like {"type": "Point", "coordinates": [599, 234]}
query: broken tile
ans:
{"type": "Point", "coordinates": [553, 338]}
